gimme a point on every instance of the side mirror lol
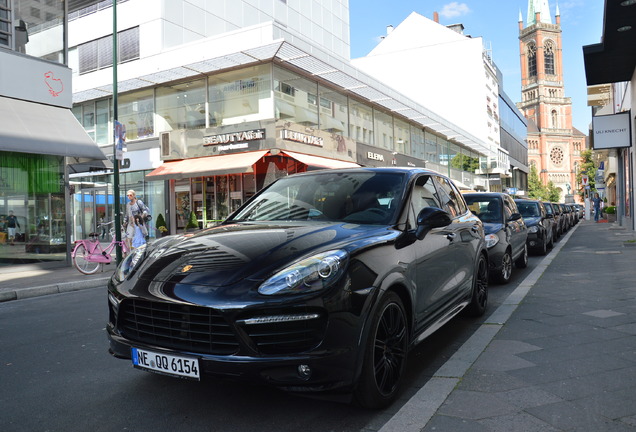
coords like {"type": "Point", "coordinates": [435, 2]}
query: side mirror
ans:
{"type": "Point", "coordinates": [515, 217]}
{"type": "Point", "coordinates": [429, 218]}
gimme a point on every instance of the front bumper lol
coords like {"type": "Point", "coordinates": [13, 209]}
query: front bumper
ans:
{"type": "Point", "coordinates": [330, 370]}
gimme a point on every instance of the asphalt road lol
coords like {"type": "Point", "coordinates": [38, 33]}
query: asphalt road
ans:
{"type": "Point", "coordinates": [57, 375]}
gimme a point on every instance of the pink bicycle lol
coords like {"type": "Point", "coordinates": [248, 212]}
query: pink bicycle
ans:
{"type": "Point", "coordinates": [88, 255]}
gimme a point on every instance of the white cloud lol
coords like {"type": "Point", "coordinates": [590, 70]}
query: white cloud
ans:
{"type": "Point", "coordinates": [454, 9]}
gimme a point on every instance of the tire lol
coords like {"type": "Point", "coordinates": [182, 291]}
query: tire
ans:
{"type": "Point", "coordinates": [505, 272]}
{"type": "Point", "coordinates": [385, 354]}
{"type": "Point", "coordinates": [551, 242]}
{"type": "Point", "coordinates": [522, 261]}
{"type": "Point", "coordinates": [544, 247]}
{"type": "Point", "coordinates": [81, 263]}
{"type": "Point", "coordinates": [479, 298]}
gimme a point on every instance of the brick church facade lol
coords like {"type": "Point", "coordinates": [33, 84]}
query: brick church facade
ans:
{"type": "Point", "coordinates": [554, 145]}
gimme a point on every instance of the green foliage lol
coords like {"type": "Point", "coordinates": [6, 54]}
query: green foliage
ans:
{"type": "Point", "coordinates": [192, 221]}
{"type": "Point", "coordinates": [465, 163]}
{"type": "Point", "coordinates": [610, 210]}
{"type": "Point", "coordinates": [536, 190]}
{"type": "Point", "coordinates": [587, 167]}
{"type": "Point", "coordinates": [552, 193]}
{"type": "Point", "coordinates": [160, 223]}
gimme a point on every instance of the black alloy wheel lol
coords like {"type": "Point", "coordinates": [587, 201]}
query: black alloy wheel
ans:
{"type": "Point", "coordinates": [479, 299]}
{"type": "Point", "coordinates": [385, 354]}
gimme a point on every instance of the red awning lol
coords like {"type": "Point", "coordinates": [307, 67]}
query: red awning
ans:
{"type": "Point", "coordinates": [206, 166]}
{"type": "Point", "coordinates": [319, 161]}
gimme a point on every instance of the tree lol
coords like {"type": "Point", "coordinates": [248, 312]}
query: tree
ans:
{"type": "Point", "coordinates": [552, 193]}
{"type": "Point", "coordinates": [536, 189]}
{"type": "Point", "coordinates": [587, 167]}
{"type": "Point", "coordinates": [465, 163]}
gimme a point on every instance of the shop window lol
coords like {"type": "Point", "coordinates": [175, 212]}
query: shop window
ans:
{"type": "Point", "coordinates": [180, 106]}
{"type": "Point", "coordinates": [361, 121]}
{"type": "Point", "coordinates": [240, 96]}
{"type": "Point", "coordinates": [136, 111]}
{"type": "Point", "coordinates": [296, 98]}
{"type": "Point", "coordinates": [332, 111]}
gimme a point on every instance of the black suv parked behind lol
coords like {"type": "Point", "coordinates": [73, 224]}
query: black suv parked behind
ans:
{"type": "Point", "coordinates": [540, 234]}
{"type": "Point", "coordinates": [505, 230]}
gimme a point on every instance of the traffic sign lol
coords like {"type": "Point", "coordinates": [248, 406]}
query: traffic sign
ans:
{"type": "Point", "coordinates": [584, 179]}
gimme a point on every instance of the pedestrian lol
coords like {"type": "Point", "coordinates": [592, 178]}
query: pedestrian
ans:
{"type": "Point", "coordinates": [102, 225]}
{"type": "Point", "coordinates": [140, 232]}
{"type": "Point", "coordinates": [596, 201]}
{"type": "Point", "coordinates": [134, 207]}
{"type": "Point", "coordinates": [12, 226]}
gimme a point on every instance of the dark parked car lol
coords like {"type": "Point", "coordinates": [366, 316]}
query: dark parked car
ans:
{"type": "Point", "coordinates": [564, 222]}
{"type": "Point", "coordinates": [539, 225]}
{"type": "Point", "coordinates": [322, 281]}
{"type": "Point", "coordinates": [556, 220]}
{"type": "Point", "coordinates": [506, 232]}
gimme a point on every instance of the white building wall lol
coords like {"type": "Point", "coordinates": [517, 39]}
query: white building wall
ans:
{"type": "Point", "coordinates": [166, 24]}
{"type": "Point", "coordinates": [438, 68]}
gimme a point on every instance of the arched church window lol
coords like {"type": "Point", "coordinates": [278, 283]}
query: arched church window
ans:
{"type": "Point", "coordinates": [548, 57]}
{"type": "Point", "coordinates": [532, 60]}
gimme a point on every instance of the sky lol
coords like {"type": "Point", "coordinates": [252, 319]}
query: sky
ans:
{"type": "Point", "coordinates": [497, 23]}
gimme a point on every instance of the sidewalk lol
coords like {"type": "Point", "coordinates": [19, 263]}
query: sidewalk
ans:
{"type": "Point", "coordinates": [558, 355]}
{"type": "Point", "coordinates": [32, 280]}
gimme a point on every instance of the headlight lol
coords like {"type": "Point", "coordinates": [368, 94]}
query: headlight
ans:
{"type": "Point", "coordinates": [128, 264]}
{"type": "Point", "coordinates": [533, 229]}
{"type": "Point", "coordinates": [308, 275]}
{"type": "Point", "coordinates": [491, 240]}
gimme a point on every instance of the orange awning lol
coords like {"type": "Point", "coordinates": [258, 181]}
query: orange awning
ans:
{"type": "Point", "coordinates": [319, 161]}
{"type": "Point", "coordinates": [205, 166]}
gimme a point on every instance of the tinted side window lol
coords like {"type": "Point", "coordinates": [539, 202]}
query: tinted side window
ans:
{"type": "Point", "coordinates": [509, 207]}
{"type": "Point", "coordinates": [423, 195]}
{"type": "Point", "coordinates": [450, 197]}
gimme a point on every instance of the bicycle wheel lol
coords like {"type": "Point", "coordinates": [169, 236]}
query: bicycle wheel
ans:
{"type": "Point", "coordinates": [81, 262]}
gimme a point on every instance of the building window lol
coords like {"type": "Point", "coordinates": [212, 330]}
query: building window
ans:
{"type": "Point", "coordinates": [532, 60]}
{"type": "Point", "coordinates": [5, 23]}
{"type": "Point", "coordinates": [98, 54]}
{"type": "Point", "coordinates": [242, 95]}
{"type": "Point", "coordinates": [556, 155]}
{"type": "Point", "coordinates": [181, 106]}
{"type": "Point", "coordinates": [548, 57]}
{"type": "Point", "coordinates": [555, 119]}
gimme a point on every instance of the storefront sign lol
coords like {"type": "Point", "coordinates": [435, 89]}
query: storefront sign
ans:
{"type": "Point", "coordinates": [612, 131]}
{"type": "Point", "coordinates": [291, 135]}
{"type": "Point", "coordinates": [375, 156]}
{"type": "Point", "coordinates": [232, 139]}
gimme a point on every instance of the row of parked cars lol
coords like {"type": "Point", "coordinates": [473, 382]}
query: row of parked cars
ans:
{"type": "Point", "coordinates": [322, 281]}
{"type": "Point", "coordinates": [514, 227]}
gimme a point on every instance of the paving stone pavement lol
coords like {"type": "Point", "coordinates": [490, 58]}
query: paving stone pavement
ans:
{"type": "Point", "coordinates": [565, 360]}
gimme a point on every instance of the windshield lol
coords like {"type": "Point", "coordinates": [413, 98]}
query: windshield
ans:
{"type": "Point", "coordinates": [528, 209]}
{"type": "Point", "coordinates": [365, 197]}
{"type": "Point", "coordinates": [487, 209]}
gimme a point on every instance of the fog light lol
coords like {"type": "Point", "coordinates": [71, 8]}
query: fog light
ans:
{"type": "Point", "coordinates": [304, 371]}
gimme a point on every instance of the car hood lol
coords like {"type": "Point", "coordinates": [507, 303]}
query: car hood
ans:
{"type": "Point", "coordinates": [226, 254]}
{"type": "Point", "coordinates": [492, 228]}
{"type": "Point", "coordinates": [531, 221]}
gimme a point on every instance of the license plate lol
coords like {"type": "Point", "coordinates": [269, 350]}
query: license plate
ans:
{"type": "Point", "coordinates": [186, 367]}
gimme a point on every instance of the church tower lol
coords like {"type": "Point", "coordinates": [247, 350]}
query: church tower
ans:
{"type": "Point", "coordinates": [554, 146]}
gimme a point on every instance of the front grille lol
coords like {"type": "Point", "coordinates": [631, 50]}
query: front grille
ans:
{"type": "Point", "coordinates": [286, 337]}
{"type": "Point", "coordinates": [175, 326]}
